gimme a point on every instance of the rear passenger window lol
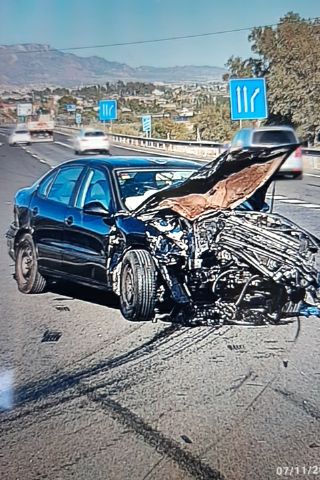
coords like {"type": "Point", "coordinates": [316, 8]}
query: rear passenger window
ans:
{"type": "Point", "coordinates": [46, 184]}
{"type": "Point", "coordinates": [275, 137]}
{"type": "Point", "coordinates": [63, 185]}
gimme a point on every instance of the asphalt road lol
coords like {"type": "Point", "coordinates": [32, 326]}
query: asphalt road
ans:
{"type": "Point", "coordinates": [115, 400]}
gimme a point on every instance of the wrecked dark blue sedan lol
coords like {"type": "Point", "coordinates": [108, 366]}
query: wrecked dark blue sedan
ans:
{"type": "Point", "coordinates": [172, 238]}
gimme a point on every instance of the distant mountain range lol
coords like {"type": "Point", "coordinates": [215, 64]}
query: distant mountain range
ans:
{"type": "Point", "coordinates": [40, 65]}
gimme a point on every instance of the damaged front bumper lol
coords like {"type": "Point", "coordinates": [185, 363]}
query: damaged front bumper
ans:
{"type": "Point", "coordinates": [245, 268]}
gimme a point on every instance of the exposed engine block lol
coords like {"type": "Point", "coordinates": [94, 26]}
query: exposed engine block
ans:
{"type": "Point", "coordinates": [240, 267]}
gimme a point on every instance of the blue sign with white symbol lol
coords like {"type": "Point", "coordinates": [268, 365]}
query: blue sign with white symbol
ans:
{"type": "Point", "coordinates": [70, 107]}
{"type": "Point", "coordinates": [78, 118]}
{"type": "Point", "coordinates": [146, 123]}
{"type": "Point", "coordinates": [248, 99]}
{"type": "Point", "coordinates": [107, 110]}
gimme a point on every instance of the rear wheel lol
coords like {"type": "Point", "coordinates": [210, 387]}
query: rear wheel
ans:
{"type": "Point", "coordinates": [138, 286]}
{"type": "Point", "coordinates": [28, 278]}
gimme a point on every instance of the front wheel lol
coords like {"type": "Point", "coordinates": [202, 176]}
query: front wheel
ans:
{"type": "Point", "coordinates": [138, 286]}
{"type": "Point", "coordinates": [28, 278]}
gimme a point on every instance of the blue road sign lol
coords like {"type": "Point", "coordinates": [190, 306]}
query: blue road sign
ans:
{"type": "Point", "coordinates": [146, 123]}
{"type": "Point", "coordinates": [70, 107]}
{"type": "Point", "coordinates": [248, 99]}
{"type": "Point", "coordinates": [107, 110]}
{"type": "Point", "coordinates": [78, 118]}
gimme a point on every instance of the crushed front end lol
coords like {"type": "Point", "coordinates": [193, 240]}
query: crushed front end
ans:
{"type": "Point", "coordinates": [247, 268]}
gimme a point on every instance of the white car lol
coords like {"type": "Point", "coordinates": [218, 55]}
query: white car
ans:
{"type": "Point", "coordinates": [20, 136]}
{"type": "Point", "coordinates": [271, 137]}
{"type": "Point", "coordinates": [90, 140]}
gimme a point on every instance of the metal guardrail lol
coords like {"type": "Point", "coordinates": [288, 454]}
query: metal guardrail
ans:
{"type": "Point", "coordinates": [203, 149]}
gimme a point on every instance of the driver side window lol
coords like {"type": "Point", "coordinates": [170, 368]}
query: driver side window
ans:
{"type": "Point", "coordinates": [95, 189]}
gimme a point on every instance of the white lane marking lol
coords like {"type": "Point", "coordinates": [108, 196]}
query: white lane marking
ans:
{"type": "Point", "coordinates": [276, 197]}
{"type": "Point", "coordinates": [312, 175]}
{"type": "Point", "coordinates": [310, 205]}
{"type": "Point", "coordinates": [289, 200]}
{"type": "Point", "coordinates": [64, 134]}
{"type": "Point", "coordinates": [64, 145]}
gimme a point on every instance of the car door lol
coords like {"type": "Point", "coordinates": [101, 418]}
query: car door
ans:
{"type": "Point", "coordinates": [48, 213]}
{"type": "Point", "coordinates": [86, 235]}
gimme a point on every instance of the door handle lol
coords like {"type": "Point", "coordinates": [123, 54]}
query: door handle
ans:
{"type": "Point", "coordinates": [35, 211]}
{"type": "Point", "coordinates": [68, 220]}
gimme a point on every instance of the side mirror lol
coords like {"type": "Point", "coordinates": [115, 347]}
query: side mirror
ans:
{"type": "Point", "coordinates": [96, 208]}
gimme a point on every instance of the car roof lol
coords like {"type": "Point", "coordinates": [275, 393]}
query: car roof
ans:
{"type": "Point", "coordinates": [91, 129]}
{"type": "Point", "coordinates": [268, 128]}
{"type": "Point", "coordinates": [115, 162]}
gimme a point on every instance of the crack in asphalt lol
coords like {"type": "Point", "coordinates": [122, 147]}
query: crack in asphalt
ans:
{"type": "Point", "coordinates": [157, 440]}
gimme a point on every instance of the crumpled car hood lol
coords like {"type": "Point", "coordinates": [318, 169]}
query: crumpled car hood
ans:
{"type": "Point", "coordinates": [224, 183]}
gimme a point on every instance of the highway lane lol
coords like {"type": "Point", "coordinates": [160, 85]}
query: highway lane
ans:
{"type": "Point", "coordinates": [118, 400]}
{"type": "Point", "coordinates": [298, 198]}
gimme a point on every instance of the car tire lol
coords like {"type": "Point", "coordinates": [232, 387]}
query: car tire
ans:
{"type": "Point", "coordinates": [28, 278]}
{"type": "Point", "coordinates": [138, 286]}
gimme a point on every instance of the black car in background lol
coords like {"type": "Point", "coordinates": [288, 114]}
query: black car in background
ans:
{"type": "Point", "coordinates": [173, 238]}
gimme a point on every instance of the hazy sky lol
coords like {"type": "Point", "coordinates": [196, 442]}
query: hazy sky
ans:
{"type": "Point", "coordinates": [71, 23]}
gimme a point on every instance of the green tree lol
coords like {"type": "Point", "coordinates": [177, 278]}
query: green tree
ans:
{"type": "Point", "coordinates": [167, 128]}
{"type": "Point", "coordinates": [214, 123]}
{"type": "Point", "coordinates": [288, 55]}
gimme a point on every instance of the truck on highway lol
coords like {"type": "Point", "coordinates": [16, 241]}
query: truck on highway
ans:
{"type": "Point", "coordinates": [41, 127]}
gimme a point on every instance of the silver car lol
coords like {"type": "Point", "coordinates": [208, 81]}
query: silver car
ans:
{"type": "Point", "coordinates": [271, 137]}
{"type": "Point", "coordinates": [20, 135]}
{"type": "Point", "coordinates": [91, 140]}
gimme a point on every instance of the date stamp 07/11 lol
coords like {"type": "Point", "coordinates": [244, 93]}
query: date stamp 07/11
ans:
{"type": "Point", "coordinates": [298, 470]}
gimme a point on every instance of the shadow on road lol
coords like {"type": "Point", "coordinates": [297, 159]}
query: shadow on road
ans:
{"type": "Point", "coordinates": [87, 294]}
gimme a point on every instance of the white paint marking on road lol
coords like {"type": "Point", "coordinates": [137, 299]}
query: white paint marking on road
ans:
{"type": "Point", "coordinates": [311, 205]}
{"type": "Point", "coordinates": [64, 134]}
{"type": "Point", "coordinates": [276, 197]}
{"type": "Point", "coordinates": [289, 200]}
{"type": "Point", "coordinates": [312, 175]}
{"type": "Point", "coordinates": [64, 145]}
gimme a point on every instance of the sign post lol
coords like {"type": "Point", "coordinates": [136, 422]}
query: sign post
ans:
{"type": "Point", "coordinates": [147, 124]}
{"type": "Point", "coordinates": [78, 118]}
{"type": "Point", "coordinates": [108, 111]}
{"type": "Point", "coordinates": [248, 99]}
{"type": "Point", "coordinates": [70, 107]}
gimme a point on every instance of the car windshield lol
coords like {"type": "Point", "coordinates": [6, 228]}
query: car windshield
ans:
{"type": "Point", "coordinates": [274, 137]}
{"type": "Point", "coordinates": [21, 132]}
{"type": "Point", "coordinates": [94, 134]}
{"type": "Point", "coordinates": [135, 186]}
